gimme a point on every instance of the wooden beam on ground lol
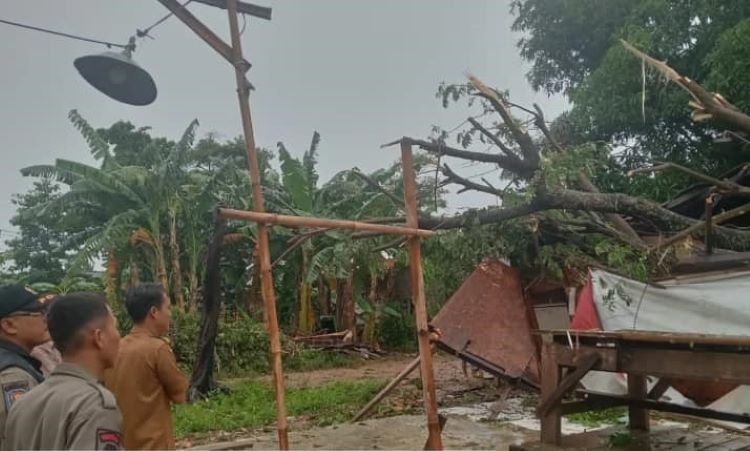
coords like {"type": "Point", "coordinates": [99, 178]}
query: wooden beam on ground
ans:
{"type": "Point", "coordinates": [586, 363]}
{"type": "Point", "coordinates": [434, 439]}
{"type": "Point", "coordinates": [387, 389]}
{"type": "Point", "coordinates": [305, 221]}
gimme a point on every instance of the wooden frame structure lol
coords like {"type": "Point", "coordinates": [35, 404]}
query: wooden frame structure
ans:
{"type": "Point", "coordinates": [233, 54]}
{"type": "Point", "coordinates": [638, 354]}
{"type": "Point", "coordinates": [434, 440]}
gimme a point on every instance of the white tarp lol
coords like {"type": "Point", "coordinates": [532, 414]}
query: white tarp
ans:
{"type": "Point", "coordinates": [717, 306]}
{"type": "Point", "coordinates": [708, 305]}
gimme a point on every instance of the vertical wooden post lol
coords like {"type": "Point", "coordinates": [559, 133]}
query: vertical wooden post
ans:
{"type": "Point", "coordinates": [264, 253]}
{"type": "Point", "coordinates": [637, 389]}
{"type": "Point", "coordinates": [550, 379]}
{"type": "Point", "coordinates": [434, 440]}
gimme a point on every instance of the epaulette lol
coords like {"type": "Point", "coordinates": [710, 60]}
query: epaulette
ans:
{"type": "Point", "coordinates": [107, 398]}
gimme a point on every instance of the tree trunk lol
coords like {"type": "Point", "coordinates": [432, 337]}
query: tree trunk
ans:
{"type": "Point", "coordinates": [324, 297]}
{"type": "Point", "coordinates": [135, 276]}
{"type": "Point", "coordinates": [179, 297]}
{"type": "Point", "coordinates": [305, 314]}
{"type": "Point", "coordinates": [113, 267]}
{"type": "Point", "coordinates": [370, 330]}
{"type": "Point", "coordinates": [192, 300]}
{"type": "Point", "coordinates": [346, 315]}
{"type": "Point", "coordinates": [202, 380]}
{"type": "Point", "coordinates": [161, 265]}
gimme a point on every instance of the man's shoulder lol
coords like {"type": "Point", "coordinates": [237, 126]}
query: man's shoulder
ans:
{"type": "Point", "coordinates": [87, 393]}
{"type": "Point", "coordinates": [16, 374]}
{"type": "Point", "coordinates": [141, 341]}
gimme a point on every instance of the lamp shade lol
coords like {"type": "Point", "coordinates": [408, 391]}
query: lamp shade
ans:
{"type": "Point", "coordinates": [118, 76]}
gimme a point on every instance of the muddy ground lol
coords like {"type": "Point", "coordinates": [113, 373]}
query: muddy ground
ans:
{"type": "Point", "coordinates": [482, 412]}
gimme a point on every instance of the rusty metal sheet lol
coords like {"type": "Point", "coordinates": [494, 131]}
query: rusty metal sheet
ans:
{"type": "Point", "coordinates": [488, 318]}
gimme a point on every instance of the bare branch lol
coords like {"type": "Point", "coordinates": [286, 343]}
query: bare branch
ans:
{"type": "Point", "coordinates": [540, 122]}
{"type": "Point", "coordinates": [466, 183]}
{"type": "Point", "coordinates": [494, 138]}
{"type": "Point", "coordinates": [529, 150]}
{"type": "Point", "coordinates": [515, 165]}
{"type": "Point", "coordinates": [706, 105]}
{"type": "Point", "coordinates": [718, 219]}
{"type": "Point", "coordinates": [601, 202]}
{"type": "Point", "coordinates": [723, 184]}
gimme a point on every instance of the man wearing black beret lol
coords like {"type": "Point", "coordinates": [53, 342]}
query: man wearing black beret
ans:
{"type": "Point", "coordinates": [23, 326]}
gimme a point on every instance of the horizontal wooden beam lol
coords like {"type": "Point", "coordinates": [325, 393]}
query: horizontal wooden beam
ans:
{"type": "Point", "coordinates": [696, 364]}
{"type": "Point", "coordinates": [650, 404]}
{"type": "Point", "coordinates": [323, 223]}
{"type": "Point", "coordinates": [261, 12]}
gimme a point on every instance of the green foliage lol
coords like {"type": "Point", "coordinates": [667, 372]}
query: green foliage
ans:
{"type": "Point", "coordinates": [574, 48]}
{"type": "Point", "coordinates": [251, 405]}
{"type": "Point", "coordinates": [241, 346]}
{"type": "Point", "coordinates": [399, 331]}
{"type": "Point", "coordinates": [36, 254]}
{"type": "Point", "coordinates": [596, 418]}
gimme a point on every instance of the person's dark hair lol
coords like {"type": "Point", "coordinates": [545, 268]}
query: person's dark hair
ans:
{"type": "Point", "coordinates": [141, 298]}
{"type": "Point", "coordinates": [72, 313]}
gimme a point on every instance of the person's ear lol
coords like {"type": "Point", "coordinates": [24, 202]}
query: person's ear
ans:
{"type": "Point", "coordinates": [97, 335]}
{"type": "Point", "coordinates": [9, 326]}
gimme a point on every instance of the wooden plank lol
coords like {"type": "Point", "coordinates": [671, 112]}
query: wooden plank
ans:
{"type": "Point", "coordinates": [589, 405]}
{"type": "Point", "coordinates": [434, 439]}
{"type": "Point", "coordinates": [321, 223]}
{"type": "Point", "coordinates": [676, 408]}
{"type": "Point", "coordinates": [658, 390]}
{"type": "Point", "coordinates": [387, 389]}
{"type": "Point", "coordinates": [692, 364]}
{"type": "Point", "coordinates": [651, 337]}
{"type": "Point", "coordinates": [637, 416]}
{"type": "Point", "coordinates": [550, 379]}
{"type": "Point", "coordinates": [699, 365]}
{"type": "Point", "coordinates": [586, 362]}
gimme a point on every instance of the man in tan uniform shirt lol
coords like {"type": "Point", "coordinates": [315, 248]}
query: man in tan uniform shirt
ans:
{"type": "Point", "coordinates": [145, 379]}
{"type": "Point", "coordinates": [71, 409]}
{"type": "Point", "coordinates": [22, 326]}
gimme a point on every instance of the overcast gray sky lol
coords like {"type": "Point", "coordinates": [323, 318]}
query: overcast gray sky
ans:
{"type": "Point", "coordinates": [360, 72]}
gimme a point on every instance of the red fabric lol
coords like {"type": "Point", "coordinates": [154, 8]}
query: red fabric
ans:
{"type": "Point", "coordinates": [585, 317]}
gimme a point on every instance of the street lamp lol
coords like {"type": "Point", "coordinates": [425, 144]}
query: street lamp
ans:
{"type": "Point", "coordinates": [118, 76]}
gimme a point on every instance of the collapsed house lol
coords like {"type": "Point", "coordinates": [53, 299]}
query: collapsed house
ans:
{"type": "Point", "coordinates": [490, 321]}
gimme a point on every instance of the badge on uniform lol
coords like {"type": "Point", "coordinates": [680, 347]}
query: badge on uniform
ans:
{"type": "Point", "coordinates": [107, 439]}
{"type": "Point", "coordinates": [12, 392]}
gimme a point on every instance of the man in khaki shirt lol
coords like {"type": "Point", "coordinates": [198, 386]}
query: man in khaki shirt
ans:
{"type": "Point", "coordinates": [22, 326]}
{"type": "Point", "coordinates": [145, 379]}
{"type": "Point", "coordinates": [71, 409]}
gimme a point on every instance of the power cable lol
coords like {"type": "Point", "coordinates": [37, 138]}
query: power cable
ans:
{"type": "Point", "coordinates": [145, 32]}
{"type": "Point", "coordinates": [64, 35]}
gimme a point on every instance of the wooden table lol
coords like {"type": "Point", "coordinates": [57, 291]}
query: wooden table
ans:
{"type": "Point", "coordinates": [567, 356]}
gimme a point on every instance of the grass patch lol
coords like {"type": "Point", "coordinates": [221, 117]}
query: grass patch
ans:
{"type": "Point", "coordinates": [309, 359]}
{"type": "Point", "coordinates": [251, 404]}
{"type": "Point", "coordinates": [598, 418]}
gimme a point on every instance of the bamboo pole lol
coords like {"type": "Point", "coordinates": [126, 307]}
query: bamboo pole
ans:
{"type": "Point", "coordinates": [306, 221]}
{"type": "Point", "coordinates": [264, 253]}
{"type": "Point", "coordinates": [434, 440]}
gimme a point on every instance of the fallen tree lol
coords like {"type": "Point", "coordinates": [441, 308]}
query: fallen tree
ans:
{"type": "Point", "coordinates": [532, 164]}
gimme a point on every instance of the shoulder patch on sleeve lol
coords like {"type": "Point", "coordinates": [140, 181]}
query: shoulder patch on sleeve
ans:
{"type": "Point", "coordinates": [107, 439]}
{"type": "Point", "coordinates": [12, 392]}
